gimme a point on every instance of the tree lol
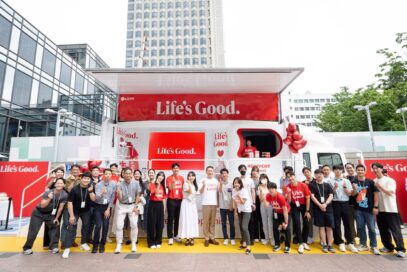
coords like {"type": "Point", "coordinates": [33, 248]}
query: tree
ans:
{"type": "Point", "coordinates": [390, 93]}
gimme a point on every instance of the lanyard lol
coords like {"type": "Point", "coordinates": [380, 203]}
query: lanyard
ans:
{"type": "Point", "coordinates": [323, 190]}
{"type": "Point", "coordinates": [127, 189]}
{"type": "Point", "coordinates": [83, 200]}
{"type": "Point", "coordinates": [53, 200]}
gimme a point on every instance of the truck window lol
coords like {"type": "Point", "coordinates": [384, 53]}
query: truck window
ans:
{"type": "Point", "coordinates": [330, 159]}
{"type": "Point", "coordinates": [265, 143]}
{"type": "Point", "coordinates": [307, 159]}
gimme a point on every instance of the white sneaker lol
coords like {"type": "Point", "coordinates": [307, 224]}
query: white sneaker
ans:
{"type": "Point", "coordinates": [158, 246]}
{"type": "Point", "coordinates": [352, 248]}
{"type": "Point", "coordinates": [118, 249]}
{"type": "Point", "coordinates": [256, 240]}
{"type": "Point", "coordinates": [170, 241]}
{"type": "Point", "coordinates": [400, 254]}
{"type": "Point", "coordinates": [310, 240]}
{"type": "Point", "coordinates": [376, 251]}
{"type": "Point", "coordinates": [306, 246]}
{"type": "Point", "coordinates": [133, 247]}
{"type": "Point", "coordinates": [232, 242]}
{"type": "Point", "coordinates": [153, 247]}
{"type": "Point", "coordinates": [342, 247]}
{"type": "Point", "coordinates": [85, 247]}
{"type": "Point", "coordinates": [301, 249]}
{"type": "Point", "coordinates": [225, 242]}
{"type": "Point", "coordinates": [28, 252]}
{"type": "Point", "coordinates": [363, 248]}
{"type": "Point", "coordinates": [55, 251]}
{"type": "Point", "coordinates": [108, 239]}
{"type": "Point", "coordinates": [265, 241]}
{"type": "Point", "coordinates": [65, 254]}
{"type": "Point", "coordinates": [178, 240]}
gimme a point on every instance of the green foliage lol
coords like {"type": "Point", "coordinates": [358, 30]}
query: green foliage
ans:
{"type": "Point", "coordinates": [390, 93]}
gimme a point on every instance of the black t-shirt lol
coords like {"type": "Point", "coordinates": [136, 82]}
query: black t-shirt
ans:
{"type": "Point", "coordinates": [319, 190]}
{"type": "Point", "coordinates": [311, 182]}
{"type": "Point", "coordinates": [58, 198]}
{"type": "Point", "coordinates": [77, 196]}
{"type": "Point", "coordinates": [352, 199]}
{"type": "Point", "coordinates": [365, 198]}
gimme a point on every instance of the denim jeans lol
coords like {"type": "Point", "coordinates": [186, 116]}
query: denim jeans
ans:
{"type": "Point", "coordinates": [101, 223]}
{"type": "Point", "coordinates": [224, 215]}
{"type": "Point", "coordinates": [363, 219]}
{"type": "Point", "coordinates": [71, 234]}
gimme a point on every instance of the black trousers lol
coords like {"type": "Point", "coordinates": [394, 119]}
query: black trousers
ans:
{"type": "Point", "coordinates": [255, 224]}
{"type": "Point", "coordinates": [342, 215]}
{"type": "Point", "coordinates": [71, 234]}
{"type": "Point", "coordinates": [226, 214]}
{"type": "Point", "coordinates": [389, 226]}
{"type": "Point", "coordinates": [173, 208]}
{"type": "Point", "coordinates": [102, 223]}
{"type": "Point", "coordinates": [37, 218]}
{"type": "Point", "coordinates": [296, 214]}
{"type": "Point", "coordinates": [276, 223]}
{"type": "Point", "coordinates": [155, 223]}
{"type": "Point", "coordinates": [92, 221]}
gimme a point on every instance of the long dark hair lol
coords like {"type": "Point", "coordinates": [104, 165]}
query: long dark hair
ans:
{"type": "Point", "coordinates": [192, 173]}
{"type": "Point", "coordinates": [140, 181]}
{"type": "Point", "coordinates": [161, 173]}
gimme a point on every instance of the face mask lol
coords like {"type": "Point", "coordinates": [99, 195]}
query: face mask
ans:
{"type": "Point", "coordinates": [242, 172]}
{"type": "Point", "coordinates": [263, 181]}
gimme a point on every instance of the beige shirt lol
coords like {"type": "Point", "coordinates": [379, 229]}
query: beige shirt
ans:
{"type": "Point", "coordinates": [387, 203]}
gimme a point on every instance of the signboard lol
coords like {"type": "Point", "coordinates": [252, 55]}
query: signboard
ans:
{"type": "Point", "coordinates": [238, 106]}
{"type": "Point", "coordinates": [15, 176]}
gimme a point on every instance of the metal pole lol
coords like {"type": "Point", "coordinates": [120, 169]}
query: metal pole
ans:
{"type": "Point", "coordinates": [404, 120]}
{"type": "Point", "coordinates": [57, 136]}
{"type": "Point", "coordinates": [369, 121]}
{"type": "Point", "coordinates": [19, 124]}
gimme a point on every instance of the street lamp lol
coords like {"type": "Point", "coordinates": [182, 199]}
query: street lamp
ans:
{"type": "Point", "coordinates": [59, 113]}
{"type": "Point", "coordinates": [402, 110]}
{"type": "Point", "coordinates": [369, 119]}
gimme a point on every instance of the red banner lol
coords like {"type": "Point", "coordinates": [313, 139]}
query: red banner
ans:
{"type": "Point", "coordinates": [168, 147]}
{"type": "Point", "coordinates": [256, 106]}
{"type": "Point", "coordinates": [397, 170]}
{"type": "Point", "coordinates": [15, 176]}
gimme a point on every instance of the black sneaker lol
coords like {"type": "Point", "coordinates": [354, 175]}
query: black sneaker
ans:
{"type": "Point", "coordinates": [248, 251]}
{"type": "Point", "coordinates": [325, 248]}
{"type": "Point", "coordinates": [128, 242]}
{"type": "Point", "coordinates": [95, 249]}
{"type": "Point", "coordinates": [287, 249]}
{"type": "Point", "coordinates": [331, 249]}
{"type": "Point", "coordinates": [276, 248]}
{"type": "Point", "coordinates": [102, 249]}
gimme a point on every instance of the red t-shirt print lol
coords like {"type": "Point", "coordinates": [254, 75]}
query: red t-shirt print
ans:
{"type": "Point", "coordinates": [278, 202]}
{"type": "Point", "coordinates": [248, 150]}
{"type": "Point", "coordinates": [175, 193]}
{"type": "Point", "coordinates": [298, 193]}
{"type": "Point", "coordinates": [156, 196]}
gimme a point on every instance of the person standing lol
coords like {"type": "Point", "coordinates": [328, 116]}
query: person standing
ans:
{"type": "Point", "coordinates": [342, 189]}
{"type": "Point", "coordinates": [281, 217]}
{"type": "Point", "coordinates": [255, 225]}
{"type": "Point", "coordinates": [188, 219]}
{"type": "Point", "coordinates": [387, 219]}
{"type": "Point", "coordinates": [150, 179]}
{"type": "Point", "coordinates": [48, 212]}
{"type": "Point", "coordinates": [248, 184]}
{"type": "Point", "coordinates": [79, 200]}
{"type": "Point", "coordinates": [351, 176]}
{"type": "Point", "coordinates": [266, 209]}
{"type": "Point", "coordinates": [322, 195]}
{"type": "Point", "coordinates": [174, 184]}
{"type": "Point", "coordinates": [209, 192]}
{"type": "Point", "coordinates": [309, 180]}
{"type": "Point", "coordinates": [367, 207]}
{"type": "Point", "coordinates": [95, 172]}
{"type": "Point", "coordinates": [241, 204]}
{"type": "Point", "coordinates": [284, 180]}
{"type": "Point", "coordinates": [226, 207]}
{"type": "Point", "coordinates": [326, 170]}
{"type": "Point", "coordinates": [128, 193]}
{"type": "Point", "coordinates": [155, 217]}
{"type": "Point", "coordinates": [298, 195]}
{"type": "Point", "coordinates": [105, 193]}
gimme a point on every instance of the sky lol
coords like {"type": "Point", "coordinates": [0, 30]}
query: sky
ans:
{"type": "Point", "coordinates": [335, 41]}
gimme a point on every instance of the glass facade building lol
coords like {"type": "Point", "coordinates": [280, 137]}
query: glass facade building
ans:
{"type": "Point", "coordinates": [35, 74]}
{"type": "Point", "coordinates": [174, 33]}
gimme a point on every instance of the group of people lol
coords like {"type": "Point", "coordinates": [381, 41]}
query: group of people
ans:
{"type": "Point", "coordinates": [267, 211]}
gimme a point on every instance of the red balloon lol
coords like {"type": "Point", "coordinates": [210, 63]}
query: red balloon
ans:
{"type": "Point", "coordinates": [94, 163]}
{"type": "Point", "coordinates": [297, 136]}
{"type": "Point", "coordinates": [84, 168]}
{"type": "Point", "coordinates": [292, 127]}
{"type": "Point", "coordinates": [292, 149]}
{"type": "Point", "coordinates": [288, 141]}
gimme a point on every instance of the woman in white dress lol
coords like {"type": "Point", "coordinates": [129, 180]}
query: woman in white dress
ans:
{"type": "Point", "coordinates": [188, 218]}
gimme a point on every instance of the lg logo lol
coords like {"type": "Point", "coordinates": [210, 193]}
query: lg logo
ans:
{"type": "Point", "coordinates": [126, 98]}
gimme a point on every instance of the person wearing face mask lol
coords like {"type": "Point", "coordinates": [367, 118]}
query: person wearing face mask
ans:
{"type": "Point", "coordinates": [248, 184]}
{"type": "Point", "coordinates": [255, 226]}
{"type": "Point", "coordinates": [48, 212]}
{"type": "Point", "coordinates": [226, 207]}
{"type": "Point", "coordinates": [155, 223]}
{"type": "Point", "coordinates": [266, 209]}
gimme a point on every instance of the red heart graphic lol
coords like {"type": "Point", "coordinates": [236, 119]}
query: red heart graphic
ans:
{"type": "Point", "coordinates": [220, 153]}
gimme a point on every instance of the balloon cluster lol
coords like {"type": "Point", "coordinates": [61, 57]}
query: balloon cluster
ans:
{"type": "Point", "coordinates": [90, 165]}
{"type": "Point", "coordinates": [294, 139]}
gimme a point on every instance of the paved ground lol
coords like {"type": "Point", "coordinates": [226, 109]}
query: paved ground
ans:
{"type": "Point", "coordinates": [200, 262]}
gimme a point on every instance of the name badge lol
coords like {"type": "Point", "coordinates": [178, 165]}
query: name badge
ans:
{"type": "Point", "coordinates": [275, 216]}
{"type": "Point", "coordinates": [54, 211]}
{"type": "Point", "coordinates": [83, 204]}
{"type": "Point", "coordinates": [322, 199]}
{"type": "Point", "coordinates": [104, 201]}
{"type": "Point", "coordinates": [130, 199]}
{"type": "Point", "coordinates": [297, 203]}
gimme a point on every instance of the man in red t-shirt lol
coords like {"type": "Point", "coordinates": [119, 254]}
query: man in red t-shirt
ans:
{"type": "Point", "coordinates": [298, 195]}
{"type": "Point", "coordinates": [174, 184]}
{"type": "Point", "coordinates": [249, 151]}
{"type": "Point", "coordinates": [281, 218]}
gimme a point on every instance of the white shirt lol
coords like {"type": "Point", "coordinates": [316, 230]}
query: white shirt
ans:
{"type": "Point", "coordinates": [387, 203]}
{"type": "Point", "coordinates": [210, 193]}
{"type": "Point", "coordinates": [247, 206]}
{"type": "Point", "coordinates": [248, 185]}
{"type": "Point", "coordinates": [225, 196]}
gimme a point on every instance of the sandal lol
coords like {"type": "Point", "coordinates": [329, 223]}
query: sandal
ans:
{"type": "Point", "coordinates": [187, 242]}
{"type": "Point", "coordinates": [191, 242]}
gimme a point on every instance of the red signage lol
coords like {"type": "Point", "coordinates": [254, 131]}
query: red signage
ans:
{"type": "Point", "coordinates": [185, 148]}
{"type": "Point", "coordinates": [15, 176]}
{"type": "Point", "coordinates": [256, 106]}
{"type": "Point", "coordinates": [396, 169]}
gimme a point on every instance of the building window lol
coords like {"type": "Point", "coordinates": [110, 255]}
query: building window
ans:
{"type": "Point", "coordinates": [202, 22]}
{"type": "Point", "coordinates": [170, 23]}
{"type": "Point", "coordinates": [65, 74]}
{"type": "Point", "coordinates": [178, 32]}
{"type": "Point", "coordinates": [186, 13]}
{"type": "Point", "coordinates": [137, 34]}
{"type": "Point", "coordinates": [162, 5]}
{"type": "Point", "coordinates": [204, 61]}
{"type": "Point", "coordinates": [178, 42]}
{"type": "Point", "coordinates": [27, 48]}
{"type": "Point", "coordinates": [186, 41]}
{"type": "Point", "coordinates": [129, 44]}
{"type": "Point", "coordinates": [44, 96]}
{"type": "Point", "coordinates": [195, 41]}
{"type": "Point", "coordinates": [179, 61]}
{"type": "Point", "coordinates": [170, 14]}
{"type": "Point", "coordinates": [154, 24]}
{"type": "Point", "coordinates": [48, 63]}
{"type": "Point", "coordinates": [178, 52]}
{"type": "Point", "coordinates": [178, 23]}
{"type": "Point", "coordinates": [187, 61]}
{"type": "Point", "coordinates": [194, 22]}
{"type": "Point", "coordinates": [186, 22]}
{"type": "Point", "coordinates": [146, 15]}
{"type": "Point", "coordinates": [153, 54]}
{"type": "Point", "coordinates": [162, 33]}
{"type": "Point", "coordinates": [162, 62]}
{"type": "Point", "coordinates": [202, 31]}
{"type": "Point", "coordinates": [186, 51]}
{"type": "Point", "coordinates": [21, 89]}
{"type": "Point", "coordinates": [153, 63]}
{"type": "Point", "coordinates": [186, 4]}
{"type": "Point", "coordinates": [5, 32]}
{"type": "Point", "coordinates": [203, 41]}
{"type": "Point", "coordinates": [139, 15]}
{"type": "Point", "coordinates": [146, 24]}
{"type": "Point", "coordinates": [162, 53]}
{"type": "Point", "coordinates": [170, 32]}
{"type": "Point", "coordinates": [195, 61]}
{"type": "Point", "coordinates": [79, 80]}
{"type": "Point", "coordinates": [153, 43]}
{"type": "Point", "coordinates": [170, 52]}
{"type": "Point", "coordinates": [194, 13]}
{"type": "Point", "coordinates": [202, 13]}
{"type": "Point", "coordinates": [170, 42]}
{"type": "Point", "coordinates": [129, 54]}
{"type": "Point", "coordinates": [162, 42]}
{"type": "Point", "coordinates": [195, 51]}
{"type": "Point", "coordinates": [186, 32]}
{"type": "Point", "coordinates": [2, 74]}
{"type": "Point", "coordinates": [137, 43]}
{"type": "Point", "coordinates": [203, 50]}
{"type": "Point", "coordinates": [170, 62]}
{"type": "Point", "coordinates": [194, 32]}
